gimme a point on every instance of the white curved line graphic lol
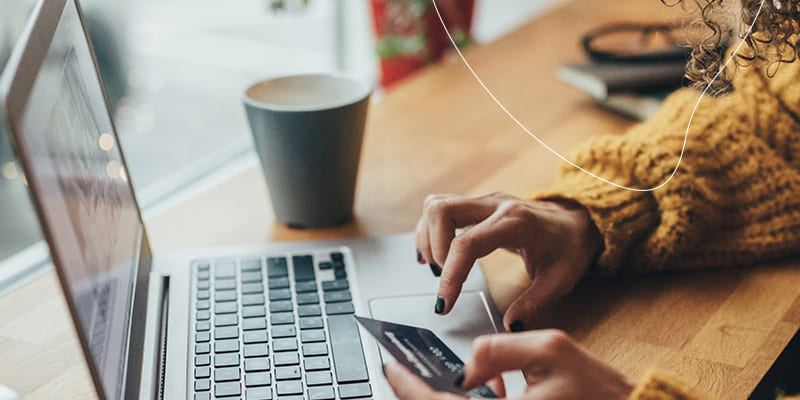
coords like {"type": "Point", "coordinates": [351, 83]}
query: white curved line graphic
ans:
{"type": "Point", "coordinates": [557, 154]}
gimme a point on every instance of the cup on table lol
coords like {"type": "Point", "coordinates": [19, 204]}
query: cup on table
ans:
{"type": "Point", "coordinates": [308, 130]}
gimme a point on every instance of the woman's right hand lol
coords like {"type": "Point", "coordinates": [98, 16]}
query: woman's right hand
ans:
{"type": "Point", "coordinates": [555, 367]}
{"type": "Point", "coordinates": [556, 240]}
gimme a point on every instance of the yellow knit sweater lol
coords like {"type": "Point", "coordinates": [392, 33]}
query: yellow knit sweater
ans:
{"type": "Point", "coordinates": [734, 200]}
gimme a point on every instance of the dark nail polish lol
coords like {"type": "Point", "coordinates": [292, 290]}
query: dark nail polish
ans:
{"type": "Point", "coordinates": [459, 380]}
{"type": "Point", "coordinates": [516, 326]}
{"type": "Point", "coordinates": [439, 305]}
{"type": "Point", "coordinates": [437, 272]}
{"type": "Point", "coordinates": [419, 257]}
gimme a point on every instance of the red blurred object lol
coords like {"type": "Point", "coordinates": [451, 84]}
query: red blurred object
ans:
{"type": "Point", "coordinates": [410, 35]}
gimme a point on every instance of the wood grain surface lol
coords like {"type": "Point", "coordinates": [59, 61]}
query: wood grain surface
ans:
{"type": "Point", "coordinates": [438, 132]}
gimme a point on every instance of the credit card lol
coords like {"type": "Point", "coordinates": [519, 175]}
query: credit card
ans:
{"type": "Point", "coordinates": [424, 354]}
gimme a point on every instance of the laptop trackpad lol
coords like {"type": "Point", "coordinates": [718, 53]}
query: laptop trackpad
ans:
{"type": "Point", "coordinates": [469, 319]}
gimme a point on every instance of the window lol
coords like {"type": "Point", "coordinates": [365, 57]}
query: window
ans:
{"type": "Point", "coordinates": [175, 71]}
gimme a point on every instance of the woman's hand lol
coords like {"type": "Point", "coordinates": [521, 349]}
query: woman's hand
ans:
{"type": "Point", "coordinates": [556, 240]}
{"type": "Point", "coordinates": [555, 367]}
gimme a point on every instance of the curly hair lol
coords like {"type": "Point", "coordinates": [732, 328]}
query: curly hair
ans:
{"type": "Point", "coordinates": [771, 42]}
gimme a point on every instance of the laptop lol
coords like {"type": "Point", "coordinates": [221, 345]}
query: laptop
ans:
{"type": "Point", "coordinates": [270, 321]}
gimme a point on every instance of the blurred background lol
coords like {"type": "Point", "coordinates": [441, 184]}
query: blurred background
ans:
{"type": "Point", "coordinates": [175, 70]}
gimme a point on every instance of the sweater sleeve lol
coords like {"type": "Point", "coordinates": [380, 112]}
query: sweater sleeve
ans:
{"type": "Point", "coordinates": [734, 199]}
{"type": "Point", "coordinates": [656, 385]}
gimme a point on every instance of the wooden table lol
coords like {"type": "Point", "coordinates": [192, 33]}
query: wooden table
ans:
{"type": "Point", "coordinates": [439, 133]}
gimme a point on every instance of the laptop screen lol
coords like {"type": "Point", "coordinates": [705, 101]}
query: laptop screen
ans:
{"type": "Point", "coordinates": [87, 208]}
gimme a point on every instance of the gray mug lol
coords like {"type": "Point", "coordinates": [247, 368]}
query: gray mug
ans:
{"type": "Point", "coordinates": [308, 130]}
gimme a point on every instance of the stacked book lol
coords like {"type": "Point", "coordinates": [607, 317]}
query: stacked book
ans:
{"type": "Point", "coordinates": [633, 89]}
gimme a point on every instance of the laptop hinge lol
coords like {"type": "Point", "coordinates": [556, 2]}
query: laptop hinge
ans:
{"type": "Point", "coordinates": [163, 323]}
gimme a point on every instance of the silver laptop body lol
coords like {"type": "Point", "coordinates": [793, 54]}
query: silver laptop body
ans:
{"type": "Point", "coordinates": [146, 322]}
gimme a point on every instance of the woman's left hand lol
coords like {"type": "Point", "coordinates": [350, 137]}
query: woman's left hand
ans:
{"type": "Point", "coordinates": [555, 367]}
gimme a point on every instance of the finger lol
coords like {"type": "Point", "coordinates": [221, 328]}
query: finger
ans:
{"type": "Point", "coordinates": [497, 385]}
{"type": "Point", "coordinates": [542, 293]}
{"type": "Point", "coordinates": [495, 354]}
{"type": "Point", "coordinates": [408, 386]}
{"type": "Point", "coordinates": [467, 247]}
{"type": "Point", "coordinates": [421, 239]}
{"type": "Point", "coordinates": [446, 214]}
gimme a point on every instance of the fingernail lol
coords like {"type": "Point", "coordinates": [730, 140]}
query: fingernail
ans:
{"type": "Point", "coordinates": [437, 272]}
{"type": "Point", "coordinates": [516, 326]}
{"type": "Point", "coordinates": [383, 367]}
{"type": "Point", "coordinates": [439, 305]}
{"type": "Point", "coordinates": [459, 380]}
{"type": "Point", "coordinates": [419, 257]}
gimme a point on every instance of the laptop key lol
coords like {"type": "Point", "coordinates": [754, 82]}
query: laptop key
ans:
{"type": "Point", "coordinates": [227, 389]}
{"type": "Point", "coordinates": [203, 275]}
{"type": "Point", "coordinates": [303, 268]}
{"type": "Point", "coordinates": [339, 308]}
{"type": "Point", "coordinates": [287, 358]}
{"type": "Point", "coordinates": [226, 360]}
{"type": "Point", "coordinates": [348, 356]}
{"type": "Point", "coordinates": [337, 256]}
{"type": "Point", "coordinates": [202, 348]}
{"type": "Point", "coordinates": [257, 379]}
{"type": "Point", "coordinates": [226, 308]}
{"type": "Point", "coordinates": [325, 265]}
{"type": "Point", "coordinates": [203, 304]}
{"type": "Point", "coordinates": [225, 269]}
{"type": "Point", "coordinates": [284, 388]}
{"type": "Point", "coordinates": [226, 320]}
{"type": "Point", "coordinates": [338, 284]}
{"type": "Point", "coordinates": [252, 288]}
{"type": "Point", "coordinates": [281, 306]}
{"type": "Point", "coordinates": [354, 390]}
{"type": "Point", "coordinates": [226, 346]}
{"type": "Point", "coordinates": [203, 315]}
{"type": "Point", "coordinates": [252, 337]}
{"type": "Point", "coordinates": [253, 300]}
{"type": "Point", "coordinates": [258, 394]}
{"type": "Point", "coordinates": [226, 332]}
{"type": "Point", "coordinates": [256, 364]}
{"type": "Point", "coordinates": [201, 361]}
{"type": "Point", "coordinates": [316, 363]}
{"type": "Point", "coordinates": [312, 335]}
{"type": "Point", "coordinates": [201, 337]}
{"type": "Point", "coordinates": [321, 393]}
{"type": "Point", "coordinates": [225, 284]}
{"type": "Point", "coordinates": [310, 323]}
{"type": "Point", "coordinates": [203, 266]}
{"type": "Point", "coordinates": [318, 378]}
{"type": "Point", "coordinates": [277, 267]}
{"type": "Point", "coordinates": [282, 318]}
{"type": "Point", "coordinates": [284, 344]}
{"type": "Point", "coordinates": [283, 331]}
{"type": "Point", "coordinates": [250, 277]}
{"type": "Point", "coordinates": [315, 349]}
{"type": "Point", "coordinates": [251, 264]}
{"type": "Point", "coordinates": [202, 385]}
{"type": "Point", "coordinates": [202, 396]}
{"type": "Point", "coordinates": [286, 373]}
{"type": "Point", "coordinates": [225, 295]}
{"type": "Point", "coordinates": [203, 294]}
{"type": "Point", "coordinates": [253, 311]}
{"type": "Point", "coordinates": [256, 350]}
{"type": "Point", "coordinates": [202, 372]}
{"type": "Point", "coordinates": [309, 311]}
{"type": "Point", "coordinates": [226, 374]}
{"type": "Point", "coordinates": [337, 265]}
{"type": "Point", "coordinates": [250, 324]}
{"type": "Point", "coordinates": [203, 285]}
{"type": "Point", "coordinates": [202, 326]}
{"type": "Point", "coordinates": [278, 283]}
{"type": "Point", "coordinates": [340, 274]}
{"type": "Point", "coordinates": [307, 298]}
{"type": "Point", "coordinates": [280, 294]}
{"type": "Point", "coordinates": [305, 286]}
{"type": "Point", "coordinates": [337, 296]}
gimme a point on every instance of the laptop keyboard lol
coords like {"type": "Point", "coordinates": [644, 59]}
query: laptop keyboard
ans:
{"type": "Point", "coordinates": [276, 328]}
